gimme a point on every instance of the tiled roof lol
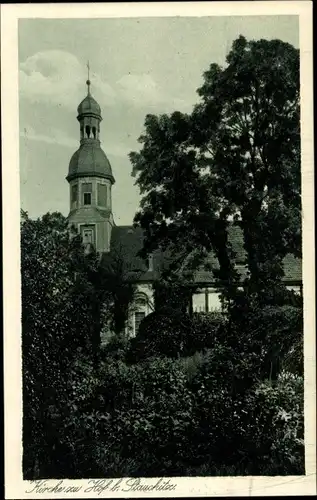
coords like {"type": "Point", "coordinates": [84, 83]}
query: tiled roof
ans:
{"type": "Point", "coordinates": [89, 106]}
{"type": "Point", "coordinates": [127, 241]}
{"type": "Point", "coordinates": [89, 160]}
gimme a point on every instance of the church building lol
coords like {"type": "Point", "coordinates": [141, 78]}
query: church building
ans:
{"type": "Point", "coordinates": [91, 179]}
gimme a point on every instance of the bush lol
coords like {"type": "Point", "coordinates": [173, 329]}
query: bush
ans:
{"type": "Point", "coordinates": [116, 348]}
{"type": "Point", "coordinates": [161, 333]}
{"type": "Point", "coordinates": [258, 431]}
{"type": "Point", "coordinates": [206, 329]}
{"type": "Point", "coordinates": [275, 435]}
{"type": "Point", "coordinates": [267, 338]}
{"type": "Point", "coordinates": [277, 331]}
{"type": "Point", "coordinates": [209, 413]}
{"type": "Point", "coordinates": [141, 420]}
{"type": "Point", "coordinates": [166, 417]}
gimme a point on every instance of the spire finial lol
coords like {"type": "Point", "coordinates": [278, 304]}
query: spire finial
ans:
{"type": "Point", "coordinates": [88, 81]}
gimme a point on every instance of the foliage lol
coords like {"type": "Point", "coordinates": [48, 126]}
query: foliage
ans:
{"type": "Point", "coordinates": [116, 348]}
{"type": "Point", "coordinates": [280, 329]}
{"type": "Point", "coordinates": [161, 333]}
{"type": "Point", "coordinates": [59, 304]}
{"type": "Point", "coordinates": [266, 337]}
{"type": "Point", "coordinates": [275, 435]}
{"type": "Point", "coordinates": [256, 432]}
{"type": "Point", "coordinates": [164, 418]}
{"type": "Point", "coordinates": [174, 291]}
{"type": "Point", "coordinates": [156, 418]}
{"type": "Point", "coordinates": [119, 281]}
{"type": "Point", "coordinates": [206, 330]}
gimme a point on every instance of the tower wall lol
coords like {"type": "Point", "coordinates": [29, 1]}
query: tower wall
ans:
{"type": "Point", "coordinates": [90, 180]}
{"type": "Point", "coordinates": [98, 224]}
{"type": "Point", "coordinates": [100, 198]}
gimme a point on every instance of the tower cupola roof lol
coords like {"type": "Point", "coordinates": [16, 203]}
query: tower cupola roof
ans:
{"type": "Point", "coordinates": [89, 160]}
{"type": "Point", "coordinates": [89, 105]}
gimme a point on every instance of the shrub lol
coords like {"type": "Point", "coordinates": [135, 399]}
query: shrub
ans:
{"type": "Point", "coordinates": [277, 331]}
{"type": "Point", "coordinates": [116, 348]}
{"type": "Point", "coordinates": [161, 333]}
{"type": "Point", "coordinates": [274, 437]}
{"type": "Point", "coordinates": [191, 364]}
{"type": "Point", "coordinates": [142, 419]}
{"type": "Point", "coordinates": [259, 432]}
{"type": "Point", "coordinates": [206, 329]}
{"type": "Point", "coordinates": [178, 417]}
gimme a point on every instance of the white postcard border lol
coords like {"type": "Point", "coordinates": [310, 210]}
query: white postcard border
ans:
{"type": "Point", "coordinates": [15, 487]}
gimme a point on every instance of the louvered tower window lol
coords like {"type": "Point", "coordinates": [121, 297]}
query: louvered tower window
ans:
{"type": "Point", "coordinates": [102, 195]}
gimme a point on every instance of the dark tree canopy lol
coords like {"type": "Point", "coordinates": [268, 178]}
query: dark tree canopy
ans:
{"type": "Point", "coordinates": [234, 160]}
{"type": "Point", "coordinates": [62, 315]}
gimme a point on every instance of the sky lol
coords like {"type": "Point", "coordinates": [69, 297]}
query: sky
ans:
{"type": "Point", "coordinates": [138, 66]}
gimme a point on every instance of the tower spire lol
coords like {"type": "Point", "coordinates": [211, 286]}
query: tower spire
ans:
{"type": "Point", "coordinates": [88, 80]}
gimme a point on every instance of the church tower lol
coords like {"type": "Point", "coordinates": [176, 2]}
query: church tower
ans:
{"type": "Point", "coordinates": [90, 180]}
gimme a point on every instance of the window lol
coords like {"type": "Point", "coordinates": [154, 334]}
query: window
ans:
{"type": "Point", "coordinates": [102, 195]}
{"type": "Point", "coordinates": [86, 190]}
{"type": "Point", "coordinates": [137, 320]}
{"type": "Point", "coordinates": [206, 301]}
{"type": "Point", "coordinates": [87, 198]}
{"type": "Point", "coordinates": [149, 263]}
{"type": "Point", "coordinates": [88, 236]}
{"type": "Point", "coordinates": [74, 194]}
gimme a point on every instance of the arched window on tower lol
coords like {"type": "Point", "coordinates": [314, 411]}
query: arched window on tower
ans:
{"type": "Point", "coordinates": [94, 132]}
{"type": "Point", "coordinates": [102, 195]}
{"type": "Point", "coordinates": [87, 131]}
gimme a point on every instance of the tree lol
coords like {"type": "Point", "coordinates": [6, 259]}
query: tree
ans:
{"type": "Point", "coordinates": [118, 277]}
{"type": "Point", "coordinates": [58, 322]}
{"type": "Point", "coordinates": [234, 161]}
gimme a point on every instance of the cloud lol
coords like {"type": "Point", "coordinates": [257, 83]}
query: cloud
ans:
{"type": "Point", "coordinates": [139, 88]}
{"type": "Point", "coordinates": [56, 137]}
{"type": "Point", "coordinates": [57, 77]}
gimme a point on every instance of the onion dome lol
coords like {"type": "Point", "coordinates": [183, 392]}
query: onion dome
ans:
{"type": "Point", "coordinates": [90, 161]}
{"type": "Point", "coordinates": [89, 105]}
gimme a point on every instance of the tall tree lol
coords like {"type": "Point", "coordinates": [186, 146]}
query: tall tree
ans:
{"type": "Point", "coordinates": [58, 322]}
{"type": "Point", "coordinates": [234, 160]}
{"type": "Point", "coordinates": [117, 277]}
